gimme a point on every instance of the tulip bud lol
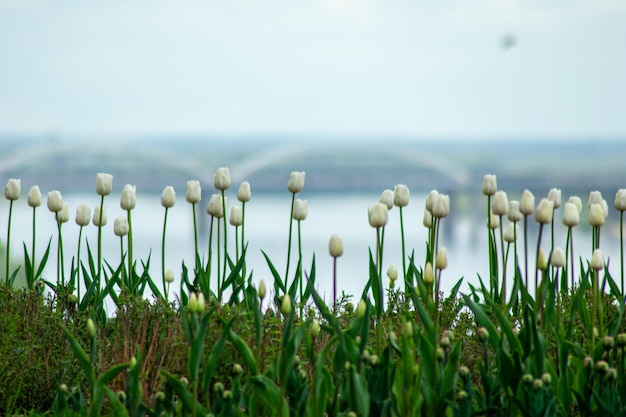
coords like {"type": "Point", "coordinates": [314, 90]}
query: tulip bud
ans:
{"type": "Point", "coordinates": [244, 194]}
{"type": "Point", "coordinates": [542, 262]}
{"type": "Point", "coordinates": [441, 261]}
{"type": "Point", "coordinates": [104, 184]}
{"type": "Point", "coordinates": [571, 215]}
{"type": "Point", "coordinates": [515, 214]}
{"type": "Point", "coordinates": [527, 204]}
{"type": "Point", "coordinates": [120, 226]}
{"type": "Point", "coordinates": [537, 384]}
{"type": "Point", "coordinates": [300, 209]}
{"type": "Point", "coordinates": [577, 202]}
{"type": "Point", "coordinates": [441, 206]}
{"type": "Point", "coordinates": [546, 378]}
{"type": "Point", "coordinates": [221, 180]}
{"type": "Point", "coordinates": [237, 369]}
{"type": "Point", "coordinates": [608, 342]}
{"type": "Point", "coordinates": [527, 379]}
{"type": "Point", "coordinates": [296, 182]}
{"type": "Point", "coordinates": [201, 303]}
{"type": "Point", "coordinates": [490, 184]}
{"type": "Point", "coordinates": [168, 197]}
{"type": "Point", "coordinates": [192, 304]}
{"type": "Point", "coordinates": [444, 342]}
{"type": "Point", "coordinates": [483, 334]}
{"type": "Point", "coordinates": [285, 305]}
{"type": "Point", "coordinates": [621, 339]}
{"type": "Point", "coordinates": [262, 289]}
{"type": "Point", "coordinates": [315, 328]}
{"type": "Point", "coordinates": [378, 215]}
{"type": "Point", "coordinates": [428, 219]}
{"type": "Point", "coordinates": [494, 221]}
{"type": "Point", "coordinates": [407, 329]}
{"type": "Point", "coordinates": [63, 216]}
{"type": "Point", "coordinates": [428, 275]}
{"type": "Point", "coordinates": [595, 197]}
{"type": "Point", "coordinates": [430, 200]}
{"type": "Point", "coordinates": [13, 189]}
{"type": "Point", "coordinates": [34, 196]}
{"type": "Point", "coordinates": [557, 259]}
{"type": "Point", "coordinates": [128, 200]}
{"type": "Point", "coordinates": [500, 206]}
{"type": "Point", "coordinates": [511, 233]}
{"type": "Point", "coordinates": [236, 216]}
{"type": "Point", "coordinates": [597, 261]}
{"type": "Point", "coordinates": [545, 211]}
{"type": "Point", "coordinates": [55, 201]}
{"type": "Point", "coordinates": [193, 194]}
{"type": "Point", "coordinates": [620, 199]}
{"type": "Point", "coordinates": [83, 215]}
{"type": "Point", "coordinates": [96, 216]}
{"type": "Point", "coordinates": [464, 372]}
{"type": "Point", "coordinates": [611, 374]}
{"type": "Point", "coordinates": [91, 328]}
{"type": "Point", "coordinates": [596, 215]}
{"type": "Point", "coordinates": [133, 362]}
{"type": "Point", "coordinates": [392, 273]}
{"type": "Point", "coordinates": [361, 308]}
{"type": "Point", "coordinates": [401, 195]}
{"type": "Point", "coordinates": [218, 387]}
{"type": "Point", "coordinates": [386, 198]}
{"type": "Point", "coordinates": [169, 276]}
{"type": "Point", "coordinates": [554, 195]}
{"type": "Point", "coordinates": [215, 207]}
{"type": "Point", "coordinates": [335, 246]}
{"type": "Point", "coordinates": [602, 367]}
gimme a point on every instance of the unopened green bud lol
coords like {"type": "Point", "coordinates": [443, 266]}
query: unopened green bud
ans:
{"type": "Point", "coordinates": [133, 362]}
{"type": "Point", "coordinates": [448, 334]}
{"type": "Point", "coordinates": [201, 303]}
{"type": "Point", "coordinates": [602, 367]}
{"type": "Point", "coordinates": [218, 387]}
{"type": "Point", "coordinates": [357, 340]}
{"type": "Point", "coordinates": [303, 374]}
{"type": "Point", "coordinates": [596, 334]}
{"type": "Point", "coordinates": [72, 298]}
{"type": "Point", "coordinates": [63, 388]}
{"type": "Point", "coordinates": [360, 311]}
{"type": "Point", "coordinates": [122, 396]}
{"type": "Point", "coordinates": [464, 372]}
{"type": "Point", "coordinates": [527, 379]}
{"type": "Point", "coordinates": [462, 395]}
{"type": "Point", "coordinates": [483, 334]}
{"type": "Point", "coordinates": [192, 304]}
{"type": "Point", "coordinates": [546, 378]}
{"type": "Point", "coordinates": [285, 305]}
{"type": "Point", "coordinates": [262, 289]}
{"type": "Point", "coordinates": [621, 339]}
{"type": "Point", "coordinates": [537, 384]}
{"type": "Point", "coordinates": [184, 381]}
{"type": "Point", "coordinates": [237, 369]}
{"type": "Point", "coordinates": [393, 337]}
{"type": "Point", "coordinates": [588, 363]}
{"type": "Point", "coordinates": [366, 355]}
{"type": "Point", "coordinates": [444, 342]}
{"type": "Point", "coordinates": [428, 275]}
{"type": "Point", "coordinates": [611, 375]}
{"type": "Point", "coordinates": [440, 354]}
{"type": "Point", "coordinates": [297, 360]}
{"type": "Point", "coordinates": [91, 328]}
{"type": "Point", "coordinates": [159, 396]}
{"type": "Point", "coordinates": [347, 365]}
{"type": "Point", "coordinates": [374, 360]}
{"type": "Point", "coordinates": [352, 414]}
{"type": "Point", "coordinates": [315, 328]}
{"type": "Point", "coordinates": [227, 395]}
{"type": "Point", "coordinates": [609, 342]}
{"type": "Point", "coordinates": [407, 329]}
{"type": "Point", "coordinates": [349, 307]}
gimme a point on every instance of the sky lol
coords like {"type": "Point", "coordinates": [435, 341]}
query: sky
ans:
{"type": "Point", "coordinates": [404, 68]}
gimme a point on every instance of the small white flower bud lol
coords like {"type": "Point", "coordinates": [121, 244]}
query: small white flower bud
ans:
{"type": "Point", "coordinates": [120, 226]}
{"type": "Point", "coordinates": [620, 199]}
{"type": "Point", "coordinates": [427, 221]}
{"type": "Point", "coordinates": [215, 207]}
{"type": "Point", "coordinates": [193, 194]}
{"type": "Point", "coordinates": [96, 216]}
{"type": "Point", "coordinates": [300, 209]}
{"type": "Point", "coordinates": [244, 194]}
{"type": "Point", "coordinates": [63, 216]}
{"type": "Point", "coordinates": [262, 289]}
{"type": "Point", "coordinates": [597, 260]}
{"type": "Point", "coordinates": [236, 216]}
{"type": "Point", "coordinates": [596, 215]}
{"type": "Point", "coordinates": [34, 196]}
{"type": "Point", "coordinates": [494, 221]}
{"type": "Point", "coordinates": [128, 200]}
{"type": "Point", "coordinates": [571, 215]}
{"type": "Point", "coordinates": [490, 184]}
{"type": "Point", "coordinates": [542, 262]}
{"type": "Point", "coordinates": [104, 184]}
{"type": "Point", "coordinates": [221, 179]}
{"type": "Point", "coordinates": [511, 233]}
{"type": "Point", "coordinates": [168, 197]}
{"type": "Point", "coordinates": [430, 200]}
{"type": "Point", "coordinates": [386, 198]}
{"type": "Point", "coordinates": [515, 214]}
{"type": "Point", "coordinates": [428, 275]}
{"type": "Point", "coordinates": [392, 272]}
{"type": "Point", "coordinates": [557, 259]}
{"type": "Point", "coordinates": [500, 205]}
{"type": "Point", "coordinates": [527, 203]}
{"type": "Point", "coordinates": [441, 206]}
{"type": "Point", "coordinates": [296, 182]}
{"type": "Point", "coordinates": [545, 211]}
{"type": "Point", "coordinates": [577, 202]}
{"type": "Point", "coordinates": [441, 261]}
{"type": "Point", "coordinates": [554, 195]}
{"type": "Point", "coordinates": [169, 276]}
{"type": "Point", "coordinates": [378, 215]}
{"type": "Point", "coordinates": [401, 195]}
{"type": "Point", "coordinates": [55, 201]}
{"type": "Point", "coordinates": [335, 246]}
{"type": "Point", "coordinates": [83, 215]}
{"type": "Point", "coordinates": [13, 189]}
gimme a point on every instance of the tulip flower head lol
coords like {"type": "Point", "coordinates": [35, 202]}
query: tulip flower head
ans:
{"type": "Point", "coordinates": [63, 216]}
{"type": "Point", "coordinates": [55, 201]}
{"type": "Point", "coordinates": [128, 200]}
{"type": "Point", "coordinates": [244, 194]}
{"type": "Point", "coordinates": [427, 221]}
{"type": "Point", "coordinates": [545, 211]}
{"type": "Point", "coordinates": [262, 289]}
{"type": "Point", "coordinates": [441, 261]}
{"type": "Point", "coordinates": [428, 275]}
{"type": "Point", "coordinates": [335, 246]}
{"type": "Point", "coordinates": [577, 202]}
{"type": "Point", "coordinates": [221, 179]}
{"type": "Point", "coordinates": [215, 207]}
{"type": "Point", "coordinates": [401, 195]}
{"type": "Point", "coordinates": [378, 215]}
{"type": "Point", "coordinates": [296, 182]}
{"type": "Point", "coordinates": [83, 215]}
{"type": "Point", "coordinates": [494, 221]}
{"type": "Point", "coordinates": [13, 189]}
{"type": "Point", "coordinates": [392, 273]}
{"type": "Point", "coordinates": [441, 206]}
{"type": "Point", "coordinates": [527, 203]}
{"type": "Point", "coordinates": [169, 276]}
{"type": "Point", "coordinates": [596, 215]}
{"type": "Point", "coordinates": [542, 262]}
{"type": "Point", "coordinates": [193, 194]}
{"type": "Point", "coordinates": [511, 233]}
{"type": "Point", "coordinates": [34, 196]}
{"type": "Point", "coordinates": [500, 206]}
{"type": "Point", "coordinates": [96, 216]}
{"type": "Point", "coordinates": [554, 195]}
{"type": "Point", "coordinates": [300, 209]}
{"type": "Point", "coordinates": [120, 226]}
{"type": "Point", "coordinates": [595, 197]}
{"type": "Point", "coordinates": [490, 184]}
{"type": "Point", "coordinates": [236, 217]}
{"type": "Point", "coordinates": [104, 184]}
{"type": "Point", "coordinates": [597, 260]}
{"type": "Point", "coordinates": [557, 259]}
{"type": "Point", "coordinates": [571, 215]}
{"type": "Point", "coordinates": [620, 200]}
{"type": "Point", "coordinates": [168, 197]}
{"type": "Point", "coordinates": [430, 199]}
{"type": "Point", "coordinates": [514, 214]}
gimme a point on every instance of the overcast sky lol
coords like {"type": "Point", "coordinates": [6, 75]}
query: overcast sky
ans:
{"type": "Point", "coordinates": [411, 68]}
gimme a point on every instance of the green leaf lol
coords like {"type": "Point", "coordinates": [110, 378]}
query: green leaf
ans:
{"type": "Point", "coordinates": [245, 352]}
{"type": "Point", "coordinates": [82, 357]}
{"type": "Point", "coordinates": [116, 405]}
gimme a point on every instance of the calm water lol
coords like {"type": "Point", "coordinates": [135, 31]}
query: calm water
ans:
{"type": "Point", "coordinates": [267, 227]}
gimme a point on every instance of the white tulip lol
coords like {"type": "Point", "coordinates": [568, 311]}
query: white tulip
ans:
{"type": "Point", "coordinates": [104, 184]}
{"type": "Point", "coordinates": [300, 209]}
{"type": "Point", "coordinates": [401, 195]}
{"type": "Point", "coordinates": [244, 193]}
{"type": "Point", "coordinates": [128, 200]}
{"type": "Point", "coordinates": [194, 192]}
{"type": "Point", "coordinates": [13, 189]}
{"type": "Point", "coordinates": [221, 179]}
{"type": "Point", "coordinates": [335, 246]}
{"type": "Point", "coordinates": [386, 198]}
{"type": "Point", "coordinates": [296, 182]}
{"type": "Point", "coordinates": [490, 184]}
{"type": "Point", "coordinates": [83, 215]}
{"type": "Point", "coordinates": [236, 216]}
{"type": "Point", "coordinates": [378, 215]}
{"type": "Point", "coordinates": [34, 196]}
{"type": "Point", "coordinates": [215, 207]}
{"type": "Point", "coordinates": [55, 201]}
{"type": "Point", "coordinates": [168, 197]}
{"type": "Point", "coordinates": [96, 216]}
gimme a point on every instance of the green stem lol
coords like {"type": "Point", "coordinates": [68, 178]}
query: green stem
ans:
{"type": "Point", "coordinates": [300, 268]}
{"type": "Point", "coordinates": [404, 272]}
{"type": "Point", "coordinates": [219, 283]}
{"type": "Point", "coordinates": [236, 244]}
{"type": "Point", "coordinates": [208, 268]}
{"type": "Point", "coordinates": [503, 263]}
{"type": "Point", "coordinates": [293, 200]}
{"type": "Point", "coordinates": [80, 237]}
{"type": "Point", "coordinates": [225, 238]}
{"type": "Point", "coordinates": [334, 284]}
{"type": "Point", "coordinates": [8, 256]}
{"type": "Point", "coordinates": [100, 239]}
{"type": "Point", "coordinates": [621, 248]}
{"type": "Point", "coordinates": [123, 279]}
{"type": "Point", "coordinates": [60, 253]}
{"type": "Point", "coordinates": [571, 254]}
{"type": "Point", "coordinates": [196, 255]}
{"type": "Point", "coordinates": [537, 260]}
{"type": "Point", "coordinates": [382, 243]}
{"type": "Point", "coordinates": [243, 236]}
{"type": "Point", "coordinates": [526, 250]}
{"type": "Point", "coordinates": [163, 253]}
{"type": "Point", "coordinates": [489, 237]}
{"type": "Point", "coordinates": [33, 263]}
{"type": "Point", "coordinates": [131, 269]}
